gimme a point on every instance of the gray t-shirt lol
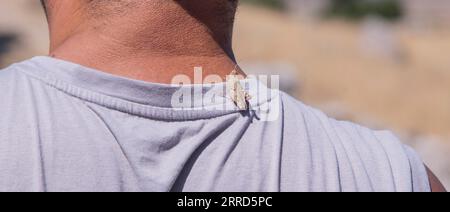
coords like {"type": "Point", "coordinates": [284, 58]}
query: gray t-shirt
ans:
{"type": "Point", "coordinates": [64, 127]}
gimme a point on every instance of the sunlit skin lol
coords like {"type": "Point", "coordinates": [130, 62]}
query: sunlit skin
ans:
{"type": "Point", "coordinates": [148, 40]}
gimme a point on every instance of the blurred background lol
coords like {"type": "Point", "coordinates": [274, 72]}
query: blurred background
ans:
{"type": "Point", "coordinates": [381, 63]}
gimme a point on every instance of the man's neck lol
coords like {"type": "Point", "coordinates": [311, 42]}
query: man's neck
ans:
{"type": "Point", "coordinates": [148, 46]}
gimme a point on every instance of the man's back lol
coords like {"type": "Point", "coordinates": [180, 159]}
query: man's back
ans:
{"type": "Point", "coordinates": [65, 127]}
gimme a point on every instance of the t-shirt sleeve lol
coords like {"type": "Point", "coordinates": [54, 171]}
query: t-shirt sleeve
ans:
{"type": "Point", "coordinates": [420, 181]}
{"type": "Point", "coordinates": [408, 169]}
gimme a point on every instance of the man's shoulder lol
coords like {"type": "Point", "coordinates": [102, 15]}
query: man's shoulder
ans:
{"type": "Point", "coordinates": [8, 71]}
{"type": "Point", "coordinates": [371, 150]}
{"type": "Point", "coordinates": [8, 76]}
{"type": "Point", "coordinates": [13, 84]}
{"type": "Point", "coordinates": [12, 75]}
{"type": "Point", "coordinates": [13, 72]}
{"type": "Point", "coordinates": [318, 122]}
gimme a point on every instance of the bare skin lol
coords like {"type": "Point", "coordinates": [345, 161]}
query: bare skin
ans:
{"type": "Point", "coordinates": [148, 40]}
{"type": "Point", "coordinates": [435, 183]}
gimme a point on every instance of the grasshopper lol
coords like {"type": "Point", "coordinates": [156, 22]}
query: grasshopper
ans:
{"type": "Point", "coordinates": [237, 93]}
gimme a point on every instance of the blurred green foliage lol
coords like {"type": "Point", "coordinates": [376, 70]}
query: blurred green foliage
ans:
{"type": "Point", "coordinates": [356, 9]}
{"type": "Point", "coordinates": [274, 4]}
